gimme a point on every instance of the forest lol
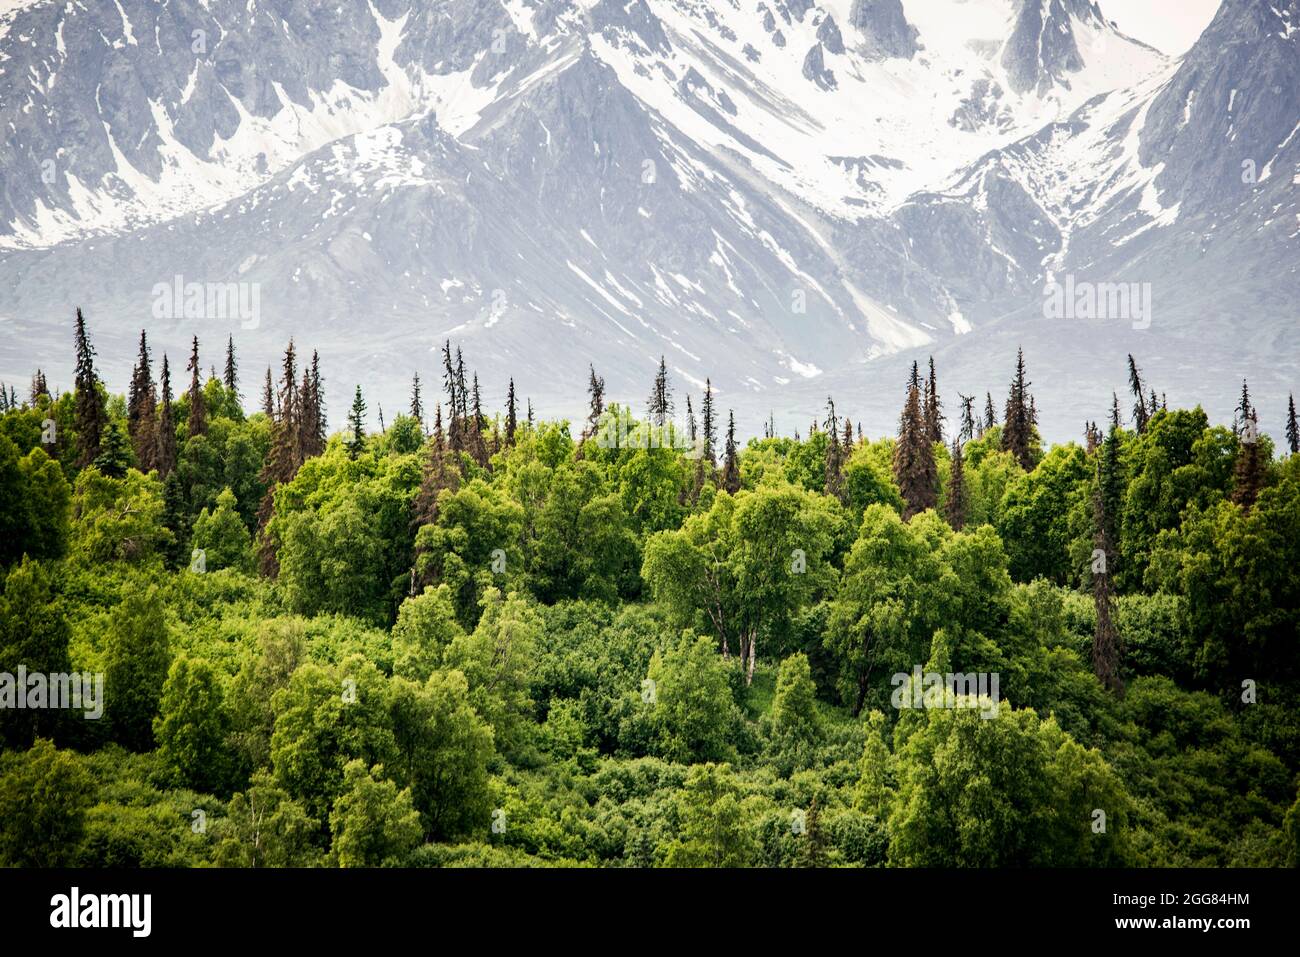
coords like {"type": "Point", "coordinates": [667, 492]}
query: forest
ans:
{"type": "Point", "coordinates": [485, 638]}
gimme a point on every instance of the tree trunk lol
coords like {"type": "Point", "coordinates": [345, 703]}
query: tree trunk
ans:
{"type": "Point", "coordinates": [862, 694]}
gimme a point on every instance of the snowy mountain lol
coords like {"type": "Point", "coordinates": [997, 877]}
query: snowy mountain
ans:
{"type": "Point", "coordinates": [791, 198]}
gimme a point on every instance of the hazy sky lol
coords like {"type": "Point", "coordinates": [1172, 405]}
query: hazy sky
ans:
{"type": "Point", "coordinates": [1171, 26]}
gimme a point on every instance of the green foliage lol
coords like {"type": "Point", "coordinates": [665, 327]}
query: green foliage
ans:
{"type": "Point", "coordinates": [1008, 791]}
{"type": "Point", "coordinates": [373, 824]}
{"type": "Point", "coordinates": [192, 726]}
{"type": "Point", "coordinates": [137, 653]}
{"type": "Point", "coordinates": [713, 832]}
{"type": "Point", "coordinates": [426, 625]}
{"type": "Point", "coordinates": [264, 827]}
{"type": "Point", "coordinates": [580, 635]}
{"type": "Point", "coordinates": [473, 546]}
{"type": "Point", "coordinates": [222, 536]}
{"type": "Point", "coordinates": [497, 659]}
{"type": "Point", "coordinates": [692, 710]}
{"type": "Point", "coordinates": [34, 633]}
{"type": "Point", "coordinates": [118, 519]}
{"type": "Point", "coordinates": [324, 718]}
{"type": "Point", "coordinates": [44, 794]}
{"type": "Point", "coordinates": [443, 748]}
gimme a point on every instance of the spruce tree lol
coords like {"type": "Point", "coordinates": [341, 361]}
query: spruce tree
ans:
{"type": "Point", "coordinates": [954, 505]}
{"type": "Point", "coordinates": [417, 409]}
{"type": "Point", "coordinates": [356, 441]}
{"type": "Point", "coordinates": [595, 404]}
{"type": "Point", "coordinates": [1111, 487]}
{"type": "Point", "coordinates": [512, 415]}
{"type": "Point", "coordinates": [914, 468]}
{"type": "Point", "coordinates": [967, 429]}
{"type": "Point", "coordinates": [990, 417]}
{"type": "Point", "coordinates": [284, 458]}
{"type": "Point", "coordinates": [114, 456]}
{"type": "Point", "coordinates": [708, 426]}
{"type": "Point", "coordinates": [142, 400]}
{"type": "Point", "coordinates": [90, 417]}
{"type": "Point", "coordinates": [1017, 429]}
{"type": "Point", "coordinates": [198, 421]}
{"type": "Point", "coordinates": [731, 471]}
{"type": "Point", "coordinates": [933, 408]}
{"type": "Point", "coordinates": [317, 406]}
{"type": "Point", "coordinates": [1244, 409]}
{"type": "Point", "coordinates": [462, 393]}
{"type": "Point", "coordinates": [478, 422]}
{"type": "Point", "coordinates": [659, 407]}
{"type": "Point", "coordinates": [1141, 414]}
{"type": "Point", "coordinates": [455, 432]}
{"type": "Point", "coordinates": [230, 377]}
{"type": "Point", "coordinates": [1292, 430]}
{"type": "Point", "coordinates": [692, 427]}
{"type": "Point", "coordinates": [847, 450]}
{"type": "Point", "coordinates": [833, 471]}
{"type": "Point", "coordinates": [164, 459]}
{"type": "Point", "coordinates": [306, 418]}
{"type": "Point", "coordinates": [268, 395]}
{"type": "Point", "coordinates": [39, 388]}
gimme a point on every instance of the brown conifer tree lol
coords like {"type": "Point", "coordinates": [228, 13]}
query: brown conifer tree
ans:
{"type": "Point", "coordinates": [595, 404]}
{"type": "Point", "coordinates": [954, 506]}
{"type": "Point", "coordinates": [141, 405]}
{"type": "Point", "coordinates": [165, 453]}
{"type": "Point", "coordinates": [914, 468]}
{"type": "Point", "coordinates": [198, 420]}
{"type": "Point", "coordinates": [1250, 472]}
{"type": "Point", "coordinates": [933, 407]}
{"type": "Point", "coordinates": [283, 460]}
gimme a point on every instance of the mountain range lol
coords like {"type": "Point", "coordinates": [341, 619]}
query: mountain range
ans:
{"type": "Point", "coordinates": [790, 199]}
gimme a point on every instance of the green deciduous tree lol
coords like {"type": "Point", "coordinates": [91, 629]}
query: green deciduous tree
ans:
{"type": "Point", "coordinates": [44, 794]}
{"type": "Point", "coordinates": [692, 710]}
{"type": "Point", "coordinates": [443, 748]}
{"type": "Point", "coordinates": [372, 823]}
{"type": "Point", "coordinates": [192, 726]}
{"type": "Point", "coordinates": [223, 537]}
{"type": "Point", "coordinates": [713, 830]}
{"type": "Point", "coordinates": [137, 653]}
